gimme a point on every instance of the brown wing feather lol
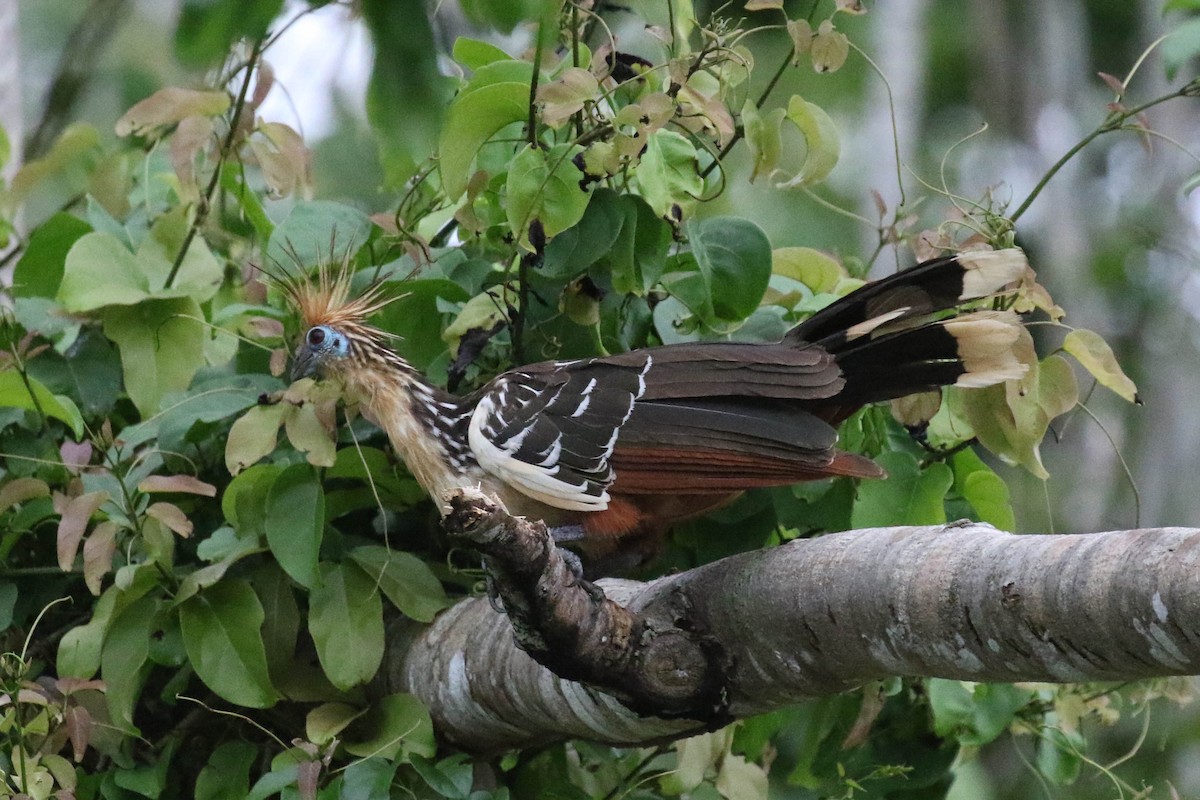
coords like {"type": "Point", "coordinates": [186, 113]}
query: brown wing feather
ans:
{"type": "Point", "coordinates": [663, 470]}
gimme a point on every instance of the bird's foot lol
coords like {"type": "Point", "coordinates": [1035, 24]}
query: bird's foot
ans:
{"type": "Point", "coordinates": [565, 534]}
{"type": "Point", "coordinates": [493, 594]}
{"type": "Point", "coordinates": [575, 565]}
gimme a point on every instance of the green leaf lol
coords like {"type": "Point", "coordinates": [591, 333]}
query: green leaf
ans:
{"type": "Point", "coordinates": [415, 319]}
{"type": "Point", "coordinates": [1181, 46]}
{"type": "Point", "coordinates": [506, 14]}
{"type": "Point", "coordinates": [14, 393]}
{"type": "Point", "coordinates": [570, 253]}
{"type": "Point", "coordinates": [328, 720]}
{"type": "Point", "coordinates": [481, 109]}
{"type": "Point", "coordinates": [368, 779]}
{"type": "Point", "coordinates": [226, 776]}
{"type": "Point", "coordinates": [253, 436]}
{"type": "Point", "coordinates": [199, 274]}
{"type": "Point", "coordinates": [8, 601]}
{"type": "Point", "coordinates": [123, 661]}
{"type": "Point", "coordinates": [282, 616]}
{"type": "Point", "coordinates": [208, 28]}
{"type": "Point", "coordinates": [295, 522]}
{"type": "Point", "coordinates": [79, 651]}
{"type": "Point", "coordinates": [1060, 754]}
{"type": "Point", "coordinates": [1090, 349]}
{"type": "Point", "coordinates": [407, 93]}
{"type": "Point", "coordinates": [908, 496]}
{"type": "Point", "coordinates": [639, 253]}
{"type": "Point", "coordinates": [100, 271]}
{"type": "Point", "coordinates": [764, 137]}
{"type": "Point", "coordinates": [453, 777]}
{"type": "Point", "coordinates": [973, 714]}
{"type": "Point", "coordinates": [406, 580]}
{"type": "Point", "coordinates": [732, 268]}
{"type": "Point", "coordinates": [224, 645]}
{"type": "Point", "coordinates": [397, 725]}
{"type": "Point", "coordinates": [315, 232]}
{"type": "Point", "coordinates": [345, 618]}
{"type": "Point", "coordinates": [40, 269]}
{"type": "Point", "coordinates": [821, 140]}
{"type": "Point", "coordinates": [473, 53]}
{"type": "Point", "coordinates": [161, 344]}
{"type": "Point", "coordinates": [543, 185]}
{"type": "Point", "coordinates": [90, 374]}
{"type": "Point", "coordinates": [985, 490]}
{"type": "Point", "coordinates": [668, 174]}
{"type": "Point", "coordinates": [245, 499]}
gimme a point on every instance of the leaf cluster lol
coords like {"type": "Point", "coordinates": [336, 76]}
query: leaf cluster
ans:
{"type": "Point", "coordinates": [230, 588]}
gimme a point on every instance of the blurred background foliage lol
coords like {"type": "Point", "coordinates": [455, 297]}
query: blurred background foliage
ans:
{"type": "Point", "coordinates": [983, 95]}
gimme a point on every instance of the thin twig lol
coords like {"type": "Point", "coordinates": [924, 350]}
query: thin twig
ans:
{"type": "Point", "coordinates": [222, 154]}
{"type": "Point", "coordinates": [1112, 122]}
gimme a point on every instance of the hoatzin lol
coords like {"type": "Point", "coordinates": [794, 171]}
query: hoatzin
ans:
{"type": "Point", "coordinates": [620, 446]}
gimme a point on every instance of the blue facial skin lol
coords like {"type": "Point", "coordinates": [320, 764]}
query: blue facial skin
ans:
{"type": "Point", "coordinates": [321, 344]}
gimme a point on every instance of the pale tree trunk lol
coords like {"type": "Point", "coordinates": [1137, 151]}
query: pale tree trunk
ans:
{"type": "Point", "coordinates": [816, 617]}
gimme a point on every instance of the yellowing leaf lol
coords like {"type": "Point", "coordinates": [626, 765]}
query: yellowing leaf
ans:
{"type": "Point", "coordinates": [762, 5]}
{"type": "Point", "coordinates": [668, 175]}
{"type": "Point", "coordinates": [763, 137]}
{"type": "Point", "coordinates": [252, 437]}
{"type": "Point", "coordinates": [563, 97]}
{"type": "Point", "coordinates": [814, 269]}
{"type": "Point", "coordinates": [821, 140]}
{"type": "Point", "coordinates": [544, 185]}
{"type": "Point", "coordinates": [285, 160]}
{"type": "Point", "coordinates": [483, 311]}
{"type": "Point", "coordinates": [801, 33]}
{"type": "Point", "coordinates": [829, 48]}
{"type": "Point", "coordinates": [168, 106]}
{"type": "Point", "coordinates": [308, 433]}
{"type": "Point", "coordinates": [1090, 349]}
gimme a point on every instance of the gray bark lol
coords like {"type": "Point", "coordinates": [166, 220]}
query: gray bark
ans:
{"type": "Point", "coordinates": [821, 616]}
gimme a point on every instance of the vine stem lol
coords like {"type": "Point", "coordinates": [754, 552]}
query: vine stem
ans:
{"type": "Point", "coordinates": [762, 98]}
{"type": "Point", "coordinates": [1113, 122]}
{"type": "Point", "coordinates": [531, 125]}
{"type": "Point", "coordinates": [222, 154]}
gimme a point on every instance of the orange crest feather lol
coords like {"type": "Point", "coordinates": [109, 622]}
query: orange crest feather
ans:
{"type": "Point", "coordinates": [329, 300]}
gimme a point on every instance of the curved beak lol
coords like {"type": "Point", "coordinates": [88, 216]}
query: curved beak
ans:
{"type": "Point", "coordinates": [304, 365]}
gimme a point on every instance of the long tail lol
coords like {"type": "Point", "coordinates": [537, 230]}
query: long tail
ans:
{"type": "Point", "coordinates": [905, 333]}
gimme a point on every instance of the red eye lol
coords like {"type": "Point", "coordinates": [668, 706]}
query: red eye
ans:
{"type": "Point", "coordinates": [316, 336]}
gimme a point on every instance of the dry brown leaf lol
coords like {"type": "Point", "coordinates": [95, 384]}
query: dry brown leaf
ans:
{"type": "Point", "coordinates": [98, 551]}
{"type": "Point", "coordinates": [75, 517]}
{"type": "Point", "coordinates": [20, 490]}
{"type": "Point", "coordinates": [169, 106]}
{"type": "Point", "coordinates": [177, 483]}
{"type": "Point", "coordinates": [79, 727]}
{"type": "Point", "coordinates": [172, 516]}
{"type": "Point", "coordinates": [190, 137]}
{"type": "Point", "coordinates": [285, 160]}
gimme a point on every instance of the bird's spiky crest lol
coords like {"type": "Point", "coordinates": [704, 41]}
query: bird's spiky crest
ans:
{"type": "Point", "coordinates": [327, 298]}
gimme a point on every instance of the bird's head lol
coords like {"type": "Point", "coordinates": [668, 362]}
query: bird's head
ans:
{"type": "Point", "coordinates": [335, 332]}
{"type": "Point", "coordinates": [320, 350]}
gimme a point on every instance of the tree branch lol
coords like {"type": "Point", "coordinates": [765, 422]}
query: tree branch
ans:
{"type": "Point", "coordinates": [811, 618]}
